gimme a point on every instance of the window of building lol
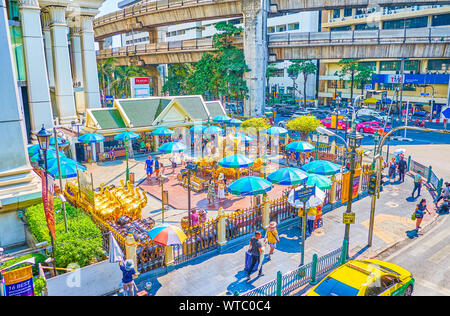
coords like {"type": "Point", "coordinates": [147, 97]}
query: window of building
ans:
{"type": "Point", "coordinates": [281, 28]}
{"type": "Point", "coordinates": [412, 65]}
{"type": "Point", "coordinates": [416, 22]}
{"type": "Point", "coordinates": [394, 24]}
{"type": "Point", "coordinates": [281, 90]}
{"type": "Point", "coordinates": [372, 65]}
{"type": "Point", "coordinates": [293, 26]}
{"type": "Point", "coordinates": [393, 65]}
{"type": "Point", "coordinates": [438, 64]}
{"type": "Point", "coordinates": [17, 51]}
{"type": "Point", "coordinates": [348, 11]}
{"type": "Point", "coordinates": [439, 20]}
{"type": "Point", "coordinates": [13, 10]}
{"type": "Point", "coordinates": [341, 28]}
{"type": "Point", "coordinates": [271, 29]}
{"type": "Point", "coordinates": [336, 13]}
{"type": "Point", "coordinates": [361, 11]}
{"type": "Point", "coordinates": [365, 26]}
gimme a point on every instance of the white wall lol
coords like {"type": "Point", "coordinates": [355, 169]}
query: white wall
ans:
{"type": "Point", "coordinates": [12, 230]}
{"type": "Point", "coordinates": [94, 280]}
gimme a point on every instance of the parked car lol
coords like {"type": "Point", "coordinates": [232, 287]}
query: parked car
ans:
{"type": "Point", "coordinates": [320, 114]}
{"type": "Point", "coordinates": [372, 127]}
{"type": "Point", "coordinates": [379, 115]}
{"type": "Point", "coordinates": [365, 118]}
{"type": "Point", "coordinates": [326, 122]}
{"type": "Point", "coordinates": [369, 277]}
{"type": "Point", "coordinates": [299, 113]}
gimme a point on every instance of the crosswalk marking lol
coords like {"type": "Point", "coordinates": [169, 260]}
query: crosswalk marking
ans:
{"type": "Point", "coordinates": [433, 286]}
{"type": "Point", "coordinates": [429, 243]}
{"type": "Point", "coordinates": [440, 255]}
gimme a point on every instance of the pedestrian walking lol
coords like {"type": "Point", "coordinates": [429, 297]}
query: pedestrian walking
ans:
{"type": "Point", "coordinates": [221, 188]}
{"type": "Point", "coordinates": [402, 166]}
{"type": "Point", "coordinates": [211, 192]}
{"type": "Point", "coordinates": [417, 183]}
{"type": "Point", "coordinates": [311, 217]}
{"type": "Point", "coordinates": [256, 250]}
{"type": "Point", "coordinates": [128, 272]}
{"type": "Point", "coordinates": [272, 237]}
{"type": "Point", "coordinates": [420, 212]}
{"type": "Point", "coordinates": [149, 168]}
{"type": "Point", "coordinates": [392, 169]}
{"type": "Point", "coordinates": [157, 167]}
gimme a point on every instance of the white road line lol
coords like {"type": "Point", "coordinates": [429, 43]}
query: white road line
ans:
{"type": "Point", "coordinates": [440, 255]}
{"type": "Point", "coordinates": [430, 243]}
{"type": "Point", "coordinates": [433, 286]}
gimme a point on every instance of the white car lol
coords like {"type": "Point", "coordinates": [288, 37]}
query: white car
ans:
{"type": "Point", "coordinates": [380, 117]}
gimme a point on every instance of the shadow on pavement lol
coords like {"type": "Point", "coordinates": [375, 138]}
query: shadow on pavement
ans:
{"type": "Point", "coordinates": [412, 234]}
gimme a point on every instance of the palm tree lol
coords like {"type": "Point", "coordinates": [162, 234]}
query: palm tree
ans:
{"type": "Point", "coordinates": [121, 85]}
{"type": "Point", "coordinates": [106, 71]}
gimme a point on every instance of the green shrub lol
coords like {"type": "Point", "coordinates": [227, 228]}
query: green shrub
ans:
{"type": "Point", "coordinates": [39, 285]}
{"type": "Point", "coordinates": [74, 246]}
{"type": "Point", "coordinates": [38, 258]}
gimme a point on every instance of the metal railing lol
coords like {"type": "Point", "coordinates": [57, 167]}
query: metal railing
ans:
{"type": "Point", "coordinates": [416, 35]}
{"type": "Point", "coordinates": [241, 223]}
{"type": "Point", "coordinates": [281, 210]}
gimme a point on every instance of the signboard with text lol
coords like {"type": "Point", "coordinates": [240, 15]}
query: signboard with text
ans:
{"type": "Point", "coordinates": [304, 193]}
{"type": "Point", "coordinates": [346, 184]}
{"type": "Point", "coordinates": [140, 87]}
{"type": "Point", "coordinates": [348, 218]}
{"type": "Point", "coordinates": [19, 282]}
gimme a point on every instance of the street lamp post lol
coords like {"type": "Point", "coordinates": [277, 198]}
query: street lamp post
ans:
{"type": "Point", "coordinates": [43, 137]}
{"type": "Point", "coordinates": [126, 140]}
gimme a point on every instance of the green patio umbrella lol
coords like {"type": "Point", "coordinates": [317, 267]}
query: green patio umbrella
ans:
{"type": "Point", "coordinates": [162, 131]}
{"type": "Point", "coordinates": [34, 149]}
{"type": "Point", "coordinates": [300, 147]}
{"type": "Point", "coordinates": [126, 136]}
{"type": "Point", "coordinates": [319, 181]}
{"type": "Point", "coordinates": [68, 168]}
{"type": "Point", "coordinates": [248, 186]}
{"type": "Point", "coordinates": [235, 122]}
{"type": "Point", "coordinates": [61, 142]}
{"type": "Point", "coordinates": [90, 138]}
{"type": "Point", "coordinates": [322, 167]}
{"type": "Point", "coordinates": [51, 154]}
{"type": "Point", "coordinates": [288, 176]}
{"type": "Point", "coordinates": [197, 129]}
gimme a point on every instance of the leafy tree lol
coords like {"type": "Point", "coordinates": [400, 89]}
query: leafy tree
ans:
{"type": "Point", "coordinates": [363, 77]}
{"type": "Point", "coordinates": [293, 71]}
{"type": "Point", "coordinates": [106, 71]}
{"type": "Point", "coordinates": [304, 124]}
{"type": "Point", "coordinates": [257, 125]}
{"type": "Point", "coordinates": [307, 68]}
{"type": "Point", "coordinates": [205, 78]}
{"type": "Point", "coordinates": [270, 72]}
{"type": "Point", "coordinates": [349, 67]}
{"type": "Point", "coordinates": [178, 75]}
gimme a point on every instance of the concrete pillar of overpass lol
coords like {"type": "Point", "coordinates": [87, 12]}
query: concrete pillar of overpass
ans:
{"type": "Point", "coordinates": [37, 77]}
{"type": "Point", "coordinates": [65, 101]}
{"type": "Point", "coordinates": [90, 74]}
{"type": "Point", "coordinates": [77, 67]}
{"type": "Point", "coordinates": [256, 54]}
{"type": "Point", "coordinates": [156, 79]}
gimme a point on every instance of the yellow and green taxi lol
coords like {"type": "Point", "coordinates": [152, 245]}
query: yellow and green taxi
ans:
{"type": "Point", "coordinates": [366, 278]}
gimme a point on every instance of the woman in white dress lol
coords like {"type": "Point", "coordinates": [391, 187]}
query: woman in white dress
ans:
{"type": "Point", "coordinates": [221, 188]}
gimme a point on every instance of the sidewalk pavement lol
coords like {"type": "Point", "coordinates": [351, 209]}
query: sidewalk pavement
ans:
{"type": "Point", "coordinates": [223, 274]}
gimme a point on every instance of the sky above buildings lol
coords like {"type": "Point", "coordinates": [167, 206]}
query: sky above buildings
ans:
{"type": "Point", "coordinates": [108, 6]}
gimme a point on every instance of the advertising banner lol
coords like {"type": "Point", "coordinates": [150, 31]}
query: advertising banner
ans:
{"type": "Point", "coordinates": [19, 282]}
{"type": "Point", "coordinates": [346, 185]}
{"type": "Point", "coordinates": [47, 201]}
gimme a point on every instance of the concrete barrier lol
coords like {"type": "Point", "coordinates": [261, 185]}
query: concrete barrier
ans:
{"type": "Point", "coordinates": [94, 280]}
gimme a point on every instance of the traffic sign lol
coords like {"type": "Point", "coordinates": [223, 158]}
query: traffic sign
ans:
{"type": "Point", "coordinates": [424, 94]}
{"type": "Point", "coordinates": [368, 87]}
{"type": "Point", "coordinates": [348, 218]}
{"type": "Point", "coordinates": [304, 193]}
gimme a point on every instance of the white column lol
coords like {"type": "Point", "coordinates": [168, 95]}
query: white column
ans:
{"type": "Point", "coordinates": [37, 79]}
{"type": "Point", "coordinates": [77, 66]}
{"type": "Point", "coordinates": [48, 47]}
{"type": "Point", "coordinates": [61, 64]}
{"type": "Point", "coordinates": [90, 75]}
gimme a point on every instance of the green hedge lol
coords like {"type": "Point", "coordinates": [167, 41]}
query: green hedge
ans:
{"type": "Point", "coordinates": [72, 246]}
{"type": "Point", "coordinates": [38, 258]}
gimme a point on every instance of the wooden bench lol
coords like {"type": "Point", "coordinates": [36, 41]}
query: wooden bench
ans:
{"type": "Point", "coordinates": [118, 153]}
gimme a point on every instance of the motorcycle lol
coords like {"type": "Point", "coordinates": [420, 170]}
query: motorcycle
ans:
{"type": "Point", "coordinates": [444, 208]}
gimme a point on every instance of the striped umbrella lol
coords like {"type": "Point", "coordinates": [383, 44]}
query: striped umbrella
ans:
{"type": "Point", "coordinates": [91, 138]}
{"type": "Point", "coordinates": [300, 147]}
{"type": "Point", "coordinates": [173, 147]}
{"type": "Point", "coordinates": [68, 168]}
{"type": "Point", "coordinates": [197, 129]}
{"type": "Point", "coordinates": [248, 186]}
{"type": "Point", "coordinates": [51, 154]}
{"type": "Point", "coordinates": [167, 235]}
{"type": "Point", "coordinates": [126, 136]}
{"type": "Point", "coordinates": [322, 167]}
{"type": "Point", "coordinates": [235, 122]}
{"type": "Point", "coordinates": [277, 131]}
{"type": "Point", "coordinates": [213, 130]}
{"type": "Point", "coordinates": [162, 131]}
{"type": "Point", "coordinates": [235, 161]}
{"type": "Point", "coordinates": [319, 181]}
{"type": "Point", "coordinates": [288, 176]}
{"type": "Point", "coordinates": [221, 119]}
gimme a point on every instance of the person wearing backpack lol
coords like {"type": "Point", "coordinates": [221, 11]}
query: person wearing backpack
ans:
{"type": "Point", "coordinates": [272, 237]}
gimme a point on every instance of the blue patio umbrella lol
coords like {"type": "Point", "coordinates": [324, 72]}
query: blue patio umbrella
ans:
{"type": "Point", "coordinates": [126, 136]}
{"type": "Point", "coordinates": [322, 182]}
{"type": "Point", "coordinates": [197, 129]}
{"type": "Point", "coordinates": [162, 131]}
{"type": "Point", "coordinates": [300, 147]}
{"type": "Point", "coordinates": [248, 186]}
{"type": "Point", "coordinates": [446, 113]}
{"type": "Point", "coordinates": [235, 122]}
{"type": "Point", "coordinates": [173, 147]}
{"type": "Point", "coordinates": [213, 130]}
{"type": "Point", "coordinates": [322, 167]}
{"type": "Point", "coordinates": [68, 168]}
{"type": "Point", "coordinates": [242, 137]}
{"type": "Point", "coordinates": [288, 176]}
{"type": "Point", "coordinates": [277, 131]}
{"type": "Point", "coordinates": [34, 149]}
{"type": "Point", "coordinates": [91, 138]}
{"type": "Point", "coordinates": [61, 142]}
{"type": "Point", "coordinates": [221, 119]}
{"type": "Point", "coordinates": [51, 154]}
{"type": "Point", "coordinates": [235, 161]}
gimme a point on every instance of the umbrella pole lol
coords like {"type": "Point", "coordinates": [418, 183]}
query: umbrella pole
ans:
{"type": "Point", "coordinates": [60, 178]}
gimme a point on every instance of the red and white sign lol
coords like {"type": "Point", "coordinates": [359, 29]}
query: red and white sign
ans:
{"type": "Point", "coordinates": [140, 87]}
{"type": "Point", "coordinates": [144, 80]}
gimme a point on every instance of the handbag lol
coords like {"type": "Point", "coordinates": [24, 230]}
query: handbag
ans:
{"type": "Point", "coordinates": [413, 216]}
